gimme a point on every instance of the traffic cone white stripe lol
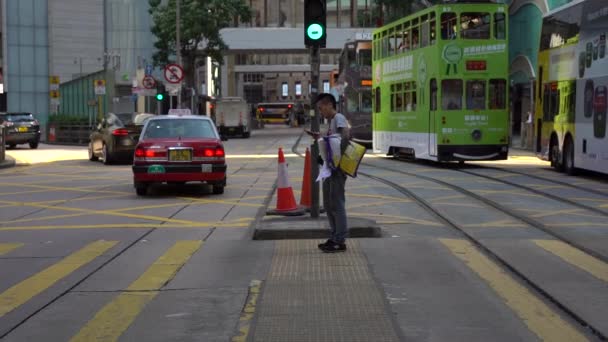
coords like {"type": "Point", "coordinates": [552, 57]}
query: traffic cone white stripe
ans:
{"type": "Point", "coordinates": [283, 181]}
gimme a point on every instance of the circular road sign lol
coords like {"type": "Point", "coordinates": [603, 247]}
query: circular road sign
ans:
{"type": "Point", "coordinates": [149, 82]}
{"type": "Point", "coordinates": [174, 73]}
{"type": "Point", "coordinates": [314, 31]}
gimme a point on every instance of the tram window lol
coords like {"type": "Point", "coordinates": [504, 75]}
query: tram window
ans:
{"type": "Point", "coordinates": [424, 41]}
{"type": "Point", "coordinates": [377, 100]}
{"type": "Point", "coordinates": [500, 30]}
{"type": "Point", "coordinates": [433, 84]}
{"type": "Point", "coordinates": [433, 31]}
{"type": "Point", "coordinates": [497, 91]}
{"type": "Point", "coordinates": [476, 94]}
{"type": "Point", "coordinates": [393, 98]}
{"type": "Point", "coordinates": [448, 26]}
{"type": "Point", "coordinates": [475, 25]}
{"type": "Point", "coordinates": [451, 94]}
{"type": "Point", "coordinates": [399, 97]}
{"type": "Point", "coordinates": [352, 100]}
{"type": "Point", "coordinates": [391, 42]}
{"type": "Point", "coordinates": [415, 37]}
{"type": "Point", "coordinates": [398, 39]}
{"type": "Point", "coordinates": [405, 43]}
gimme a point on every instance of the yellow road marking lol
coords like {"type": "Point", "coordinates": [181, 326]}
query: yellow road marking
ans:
{"type": "Point", "coordinates": [499, 223]}
{"type": "Point", "coordinates": [248, 311]}
{"type": "Point", "coordinates": [570, 212]}
{"type": "Point", "coordinates": [578, 258]}
{"type": "Point", "coordinates": [102, 212]}
{"type": "Point", "coordinates": [34, 285]}
{"type": "Point", "coordinates": [128, 225]}
{"type": "Point", "coordinates": [114, 318]}
{"type": "Point", "coordinates": [59, 188]}
{"type": "Point", "coordinates": [506, 192]}
{"type": "Point", "coordinates": [539, 318]}
{"type": "Point", "coordinates": [390, 198]}
{"type": "Point", "coordinates": [8, 247]}
{"type": "Point", "coordinates": [402, 219]}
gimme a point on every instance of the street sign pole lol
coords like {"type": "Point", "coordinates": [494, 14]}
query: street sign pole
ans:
{"type": "Point", "coordinates": [315, 126]}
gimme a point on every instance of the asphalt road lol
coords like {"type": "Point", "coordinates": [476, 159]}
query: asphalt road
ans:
{"type": "Point", "coordinates": [83, 258]}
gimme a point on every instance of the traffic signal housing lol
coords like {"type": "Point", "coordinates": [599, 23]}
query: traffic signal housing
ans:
{"type": "Point", "coordinates": [315, 23]}
{"type": "Point", "coordinates": [160, 91]}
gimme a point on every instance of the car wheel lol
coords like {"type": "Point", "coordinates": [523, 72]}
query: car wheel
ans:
{"type": "Point", "coordinates": [92, 156]}
{"type": "Point", "coordinates": [107, 158]}
{"type": "Point", "coordinates": [218, 189]}
{"type": "Point", "coordinates": [34, 144]}
{"type": "Point", "coordinates": [569, 158]}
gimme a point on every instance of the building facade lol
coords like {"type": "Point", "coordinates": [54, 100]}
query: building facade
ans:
{"type": "Point", "coordinates": [267, 60]}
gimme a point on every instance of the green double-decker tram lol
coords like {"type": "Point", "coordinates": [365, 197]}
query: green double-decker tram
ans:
{"type": "Point", "coordinates": [440, 84]}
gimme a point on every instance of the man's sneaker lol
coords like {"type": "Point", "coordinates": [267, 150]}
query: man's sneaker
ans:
{"type": "Point", "coordinates": [334, 247]}
{"type": "Point", "coordinates": [326, 243]}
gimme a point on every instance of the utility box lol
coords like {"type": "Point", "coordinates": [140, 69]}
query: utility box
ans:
{"type": "Point", "coordinates": [232, 116]}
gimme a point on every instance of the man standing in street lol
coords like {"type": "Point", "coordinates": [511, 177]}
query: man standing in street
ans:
{"type": "Point", "coordinates": [333, 186]}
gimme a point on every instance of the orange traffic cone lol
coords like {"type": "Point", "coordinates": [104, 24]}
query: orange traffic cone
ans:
{"type": "Point", "coordinates": [286, 202]}
{"type": "Point", "coordinates": [305, 200]}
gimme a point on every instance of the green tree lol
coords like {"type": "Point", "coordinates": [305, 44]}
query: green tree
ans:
{"type": "Point", "coordinates": [201, 22]}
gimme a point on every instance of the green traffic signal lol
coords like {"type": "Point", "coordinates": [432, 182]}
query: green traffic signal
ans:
{"type": "Point", "coordinates": [160, 97]}
{"type": "Point", "coordinates": [314, 31]}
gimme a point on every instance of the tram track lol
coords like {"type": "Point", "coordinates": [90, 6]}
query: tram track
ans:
{"type": "Point", "coordinates": [530, 222]}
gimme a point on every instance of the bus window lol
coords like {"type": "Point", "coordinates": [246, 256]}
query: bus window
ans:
{"type": "Point", "coordinates": [433, 84]}
{"type": "Point", "coordinates": [500, 30]}
{"type": "Point", "coordinates": [377, 100]}
{"type": "Point", "coordinates": [476, 94]}
{"type": "Point", "coordinates": [546, 103]}
{"type": "Point", "coordinates": [366, 101]}
{"type": "Point", "coordinates": [475, 25]}
{"type": "Point", "coordinates": [498, 94]}
{"type": "Point", "coordinates": [451, 94]}
{"type": "Point", "coordinates": [448, 26]}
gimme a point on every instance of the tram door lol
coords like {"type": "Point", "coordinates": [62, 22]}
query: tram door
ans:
{"type": "Point", "coordinates": [432, 135]}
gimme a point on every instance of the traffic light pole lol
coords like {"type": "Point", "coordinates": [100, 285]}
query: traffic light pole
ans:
{"type": "Point", "coordinates": [315, 126]}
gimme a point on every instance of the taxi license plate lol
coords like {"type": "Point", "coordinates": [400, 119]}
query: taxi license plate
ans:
{"type": "Point", "coordinates": [180, 155]}
{"type": "Point", "coordinates": [22, 129]}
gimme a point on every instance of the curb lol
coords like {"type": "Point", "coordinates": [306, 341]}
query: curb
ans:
{"type": "Point", "coordinates": [7, 162]}
{"type": "Point", "coordinates": [287, 228]}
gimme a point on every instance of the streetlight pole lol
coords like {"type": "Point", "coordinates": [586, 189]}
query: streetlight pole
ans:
{"type": "Point", "coordinates": [178, 47]}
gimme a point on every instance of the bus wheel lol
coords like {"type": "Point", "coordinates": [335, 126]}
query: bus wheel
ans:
{"type": "Point", "coordinates": [556, 163]}
{"type": "Point", "coordinates": [569, 158]}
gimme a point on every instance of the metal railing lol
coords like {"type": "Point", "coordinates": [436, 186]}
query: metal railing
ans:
{"type": "Point", "coordinates": [2, 144]}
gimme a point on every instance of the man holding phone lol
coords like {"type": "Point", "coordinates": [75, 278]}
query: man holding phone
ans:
{"type": "Point", "coordinates": [333, 186]}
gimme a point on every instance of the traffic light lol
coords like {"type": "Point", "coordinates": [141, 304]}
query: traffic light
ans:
{"type": "Point", "coordinates": [315, 23]}
{"type": "Point", "coordinates": [160, 91]}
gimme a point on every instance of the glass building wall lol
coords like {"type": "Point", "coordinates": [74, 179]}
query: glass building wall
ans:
{"type": "Point", "coordinates": [129, 40]}
{"type": "Point", "coordinates": [27, 75]}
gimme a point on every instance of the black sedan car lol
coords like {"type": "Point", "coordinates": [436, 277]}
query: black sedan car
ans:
{"type": "Point", "coordinates": [116, 136]}
{"type": "Point", "coordinates": [21, 128]}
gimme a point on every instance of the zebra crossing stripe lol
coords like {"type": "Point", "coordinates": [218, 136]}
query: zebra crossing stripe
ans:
{"type": "Point", "coordinates": [114, 318]}
{"type": "Point", "coordinates": [34, 285]}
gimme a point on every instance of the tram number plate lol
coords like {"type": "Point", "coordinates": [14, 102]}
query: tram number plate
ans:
{"type": "Point", "coordinates": [206, 168]}
{"type": "Point", "coordinates": [180, 155]}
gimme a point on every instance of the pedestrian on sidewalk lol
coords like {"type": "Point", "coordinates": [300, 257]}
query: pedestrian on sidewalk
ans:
{"type": "Point", "coordinates": [333, 186]}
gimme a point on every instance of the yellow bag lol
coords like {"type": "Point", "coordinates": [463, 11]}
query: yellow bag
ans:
{"type": "Point", "coordinates": [351, 158]}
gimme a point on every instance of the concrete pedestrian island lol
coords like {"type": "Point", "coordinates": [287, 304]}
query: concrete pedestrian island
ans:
{"type": "Point", "coordinates": [305, 227]}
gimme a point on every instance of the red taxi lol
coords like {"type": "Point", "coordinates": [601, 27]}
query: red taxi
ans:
{"type": "Point", "coordinates": [179, 149]}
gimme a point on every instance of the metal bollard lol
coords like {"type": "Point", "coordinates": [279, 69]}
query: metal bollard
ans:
{"type": "Point", "coordinates": [2, 144]}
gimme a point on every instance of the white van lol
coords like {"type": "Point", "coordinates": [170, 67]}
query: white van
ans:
{"type": "Point", "coordinates": [232, 116]}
